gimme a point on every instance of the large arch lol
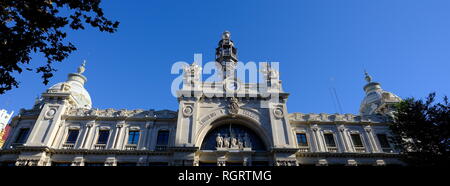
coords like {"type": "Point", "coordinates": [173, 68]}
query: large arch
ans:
{"type": "Point", "coordinates": [238, 120]}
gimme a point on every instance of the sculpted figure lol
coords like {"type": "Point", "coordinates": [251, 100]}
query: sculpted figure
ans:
{"type": "Point", "coordinates": [240, 142]}
{"type": "Point", "coordinates": [233, 142]}
{"type": "Point", "coordinates": [219, 141]}
{"type": "Point", "coordinates": [226, 141]}
{"type": "Point", "coordinates": [247, 142]}
{"type": "Point", "coordinates": [234, 107]}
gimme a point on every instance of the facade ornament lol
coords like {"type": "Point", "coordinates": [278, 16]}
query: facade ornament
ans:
{"type": "Point", "coordinates": [368, 129]}
{"type": "Point", "coordinates": [287, 162]}
{"type": "Point", "coordinates": [322, 162]}
{"type": "Point", "coordinates": [233, 142]}
{"type": "Point", "coordinates": [188, 110]}
{"type": "Point", "coordinates": [221, 162]}
{"type": "Point", "coordinates": [278, 113]}
{"type": "Point", "coordinates": [82, 67]}
{"type": "Point", "coordinates": [233, 106]}
{"type": "Point", "coordinates": [341, 128]}
{"type": "Point", "coordinates": [368, 77]}
{"type": "Point", "coordinates": [51, 112]}
{"type": "Point", "coordinates": [226, 141]}
{"type": "Point", "coordinates": [242, 141]}
{"type": "Point", "coordinates": [351, 162]}
{"type": "Point", "coordinates": [219, 141]}
{"type": "Point", "coordinates": [315, 128]}
{"type": "Point", "coordinates": [111, 162]}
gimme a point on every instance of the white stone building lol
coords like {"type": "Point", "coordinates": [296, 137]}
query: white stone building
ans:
{"type": "Point", "coordinates": [223, 123]}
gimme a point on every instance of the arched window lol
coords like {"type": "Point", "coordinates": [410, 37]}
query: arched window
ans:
{"type": "Point", "coordinates": [162, 140]}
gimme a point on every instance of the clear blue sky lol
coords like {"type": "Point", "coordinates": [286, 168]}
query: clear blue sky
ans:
{"type": "Point", "coordinates": [404, 45]}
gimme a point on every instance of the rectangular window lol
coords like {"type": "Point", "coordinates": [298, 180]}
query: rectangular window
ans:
{"type": "Point", "coordinates": [103, 137]}
{"type": "Point", "coordinates": [72, 136]}
{"type": "Point", "coordinates": [301, 139]}
{"type": "Point", "coordinates": [356, 138]}
{"type": "Point", "coordinates": [329, 140]}
{"type": "Point", "coordinates": [22, 136]}
{"type": "Point", "coordinates": [133, 137]}
{"type": "Point", "coordinates": [163, 138]}
{"type": "Point", "coordinates": [384, 142]}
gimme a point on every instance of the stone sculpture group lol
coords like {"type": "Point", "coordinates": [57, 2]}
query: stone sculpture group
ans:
{"type": "Point", "coordinates": [233, 142]}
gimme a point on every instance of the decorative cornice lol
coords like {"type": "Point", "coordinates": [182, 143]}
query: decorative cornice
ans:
{"type": "Point", "coordinates": [348, 155]}
{"type": "Point", "coordinates": [336, 118]}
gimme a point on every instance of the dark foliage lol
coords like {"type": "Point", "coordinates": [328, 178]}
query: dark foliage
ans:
{"type": "Point", "coordinates": [422, 131]}
{"type": "Point", "coordinates": [28, 26]}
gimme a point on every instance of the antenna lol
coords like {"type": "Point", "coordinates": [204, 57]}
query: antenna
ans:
{"type": "Point", "coordinates": [334, 101]}
{"type": "Point", "coordinates": [335, 97]}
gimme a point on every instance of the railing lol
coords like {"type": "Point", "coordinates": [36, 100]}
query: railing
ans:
{"type": "Point", "coordinates": [160, 147]}
{"type": "Point", "coordinates": [332, 149]}
{"type": "Point", "coordinates": [360, 149]}
{"type": "Point", "coordinates": [68, 146]}
{"type": "Point", "coordinates": [388, 150]}
{"type": "Point", "coordinates": [131, 147]}
{"type": "Point", "coordinates": [99, 146]}
{"type": "Point", "coordinates": [304, 149]}
{"type": "Point", "coordinates": [14, 145]}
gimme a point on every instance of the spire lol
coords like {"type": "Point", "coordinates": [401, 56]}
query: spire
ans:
{"type": "Point", "coordinates": [82, 67]}
{"type": "Point", "coordinates": [368, 77]}
{"type": "Point", "coordinates": [371, 85]}
{"type": "Point", "coordinates": [79, 77]}
{"type": "Point", "coordinates": [226, 55]}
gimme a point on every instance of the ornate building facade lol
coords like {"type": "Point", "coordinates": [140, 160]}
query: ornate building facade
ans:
{"type": "Point", "coordinates": [223, 123]}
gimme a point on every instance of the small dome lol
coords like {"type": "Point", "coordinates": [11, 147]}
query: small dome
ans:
{"type": "Point", "coordinates": [75, 86]}
{"type": "Point", "coordinates": [376, 98]}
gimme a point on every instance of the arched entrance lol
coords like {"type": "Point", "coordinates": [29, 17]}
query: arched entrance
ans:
{"type": "Point", "coordinates": [246, 134]}
{"type": "Point", "coordinates": [232, 136]}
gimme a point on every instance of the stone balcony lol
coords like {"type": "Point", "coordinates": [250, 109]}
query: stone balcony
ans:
{"type": "Point", "coordinates": [332, 149]}
{"type": "Point", "coordinates": [68, 146]}
{"type": "Point", "coordinates": [130, 147]}
{"type": "Point", "coordinates": [100, 146]}
{"type": "Point", "coordinates": [304, 149]}
{"type": "Point", "coordinates": [360, 149]}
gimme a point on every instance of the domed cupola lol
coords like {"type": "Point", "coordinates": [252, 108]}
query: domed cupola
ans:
{"type": "Point", "coordinates": [75, 87]}
{"type": "Point", "coordinates": [377, 100]}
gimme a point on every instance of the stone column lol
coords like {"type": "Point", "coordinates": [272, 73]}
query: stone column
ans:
{"type": "Point", "coordinates": [343, 138]}
{"type": "Point", "coordinates": [121, 126]}
{"type": "Point", "coordinates": [81, 139]}
{"type": "Point", "coordinates": [316, 137]}
{"type": "Point", "coordinates": [117, 134]}
{"type": "Point", "coordinates": [371, 139]}
{"type": "Point", "coordinates": [145, 135]}
{"type": "Point", "coordinates": [90, 133]}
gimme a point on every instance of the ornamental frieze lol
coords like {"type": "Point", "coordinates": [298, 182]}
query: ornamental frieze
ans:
{"type": "Point", "coordinates": [300, 117]}
{"type": "Point", "coordinates": [219, 113]}
{"type": "Point", "coordinates": [139, 113]}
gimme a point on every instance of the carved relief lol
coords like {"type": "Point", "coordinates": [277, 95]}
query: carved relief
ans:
{"type": "Point", "coordinates": [188, 110]}
{"type": "Point", "coordinates": [240, 142]}
{"type": "Point", "coordinates": [278, 113]}
{"type": "Point", "coordinates": [233, 106]}
{"type": "Point", "coordinates": [50, 112]}
{"type": "Point", "coordinates": [286, 163]}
